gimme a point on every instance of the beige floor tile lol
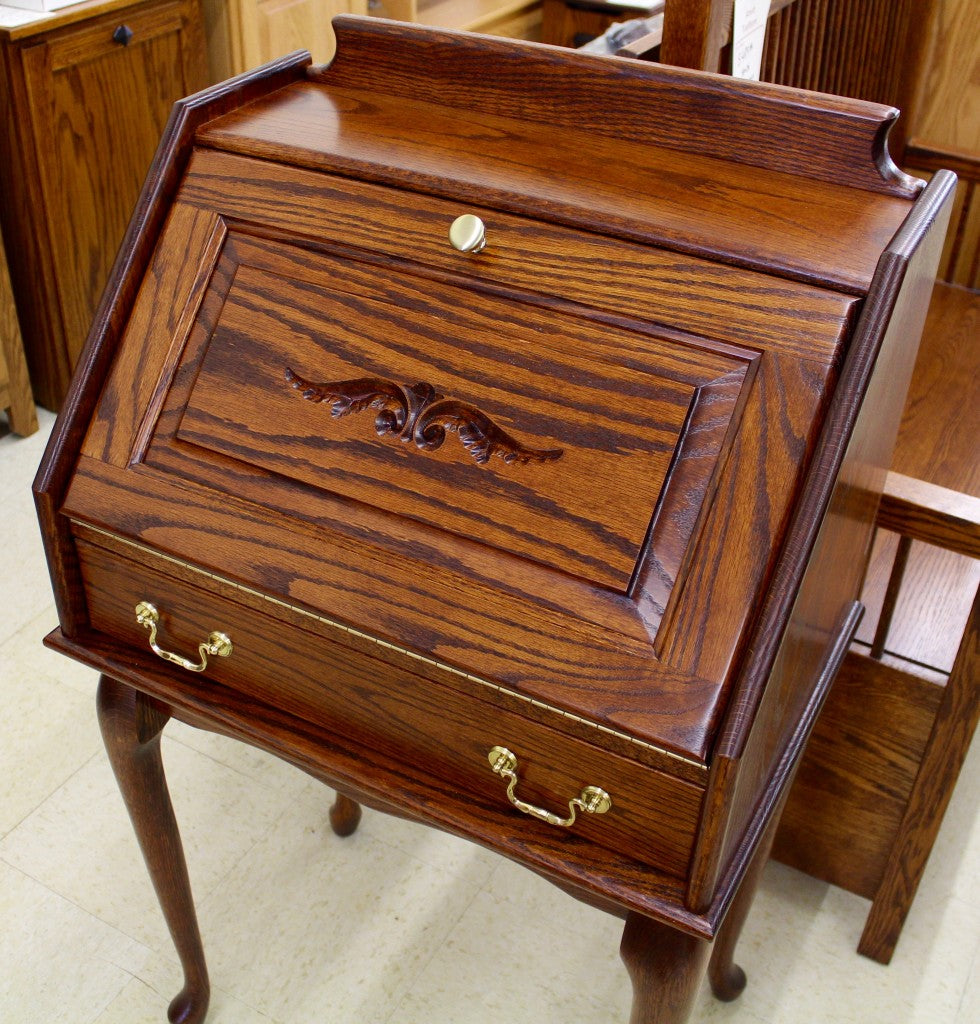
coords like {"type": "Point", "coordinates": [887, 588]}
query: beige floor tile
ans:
{"type": "Point", "coordinates": [954, 865]}
{"type": "Point", "coordinates": [47, 733]}
{"type": "Point", "coordinates": [27, 586]}
{"type": "Point", "coordinates": [313, 927]}
{"type": "Point", "coordinates": [20, 456]}
{"type": "Point", "coordinates": [798, 950]}
{"type": "Point", "coordinates": [80, 843]}
{"type": "Point", "coordinates": [24, 577]}
{"type": "Point", "coordinates": [969, 1011]}
{"type": "Point", "coordinates": [395, 925]}
{"type": "Point", "coordinates": [24, 657]}
{"type": "Point", "coordinates": [413, 839]}
{"type": "Point", "coordinates": [523, 965]}
{"type": "Point", "coordinates": [58, 964]}
{"type": "Point", "coordinates": [447, 852]}
{"type": "Point", "coordinates": [145, 998]}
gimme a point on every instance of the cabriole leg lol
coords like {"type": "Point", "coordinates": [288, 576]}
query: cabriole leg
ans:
{"type": "Point", "coordinates": [131, 727]}
{"type": "Point", "coordinates": [345, 815]}
{"type": "Point", "coordinates": [665, 967]}
{"type": "Point", "coordinates": [726, 977]}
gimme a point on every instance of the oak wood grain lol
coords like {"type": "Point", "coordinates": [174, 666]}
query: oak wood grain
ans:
{"type": "Point", "coordinates": [88, 114]}
{"type": "Point", "coordinates": [647, 194]}
{"type": "Point", "coordinates": [949, 741]}
{"type": "Point", "coordinates": [113, 313]}
{"type": "Point", "coordinates": [693, 33]}
{"type": "Point", "coordinates": [942, 450]}
{"type": "Point", "coordinates": [665, 970]}
{"type": "Point", "coordinates": [427, 725]}
{"type": "Point", "coordinates": [526, 253]}
{"type": "Point", "coordinates": [383, 629]}
{"type": "Point", "coordinates": [584, 93]}
{"type": "Point", "coordinates": [15, 385]}
{"type": "Point", "coordinates": [615, 427]}
{"type": "Point", "coordinates": [846, 479]}
{"type": "Point", "coordinates": [850, 793]}
{"type": "Point", "coordinates": [595, 873]}
{"type": "Point", "coordinates": [537, 649]}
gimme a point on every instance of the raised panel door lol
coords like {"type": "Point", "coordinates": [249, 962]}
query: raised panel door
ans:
{"type": "Point", "coordinates": [100, 97]}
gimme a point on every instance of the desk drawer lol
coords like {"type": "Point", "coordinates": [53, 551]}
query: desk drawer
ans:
{"type": "Point", "coordinates": [444, 731]}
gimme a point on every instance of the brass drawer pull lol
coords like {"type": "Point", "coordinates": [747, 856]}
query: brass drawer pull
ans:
{"type": "Point", "coordinates": [468, 234]}
{"type": "Point", "coordinates": [217, 644]}
{"type": "Point", "coordinates": [592, 799]}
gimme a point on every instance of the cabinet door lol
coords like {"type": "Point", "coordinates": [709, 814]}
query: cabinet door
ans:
{"type": "Point", "coordinates": [100, 95]}
{"type": "Point", "coordinates": [281, 26]}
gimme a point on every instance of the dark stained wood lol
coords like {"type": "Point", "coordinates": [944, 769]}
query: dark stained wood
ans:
{"type": "Point", "coordinates": [112, 314]}
{"type": "Point", "coordinates": [960, 264]}
{"type": "Point", "coordinates": [443, 732]}
{"type": "Point", "coordinates": [665, 969]}
{"type": "Point", "coordinates": [857, 447]}
{"type": "Point", "coordinates": [727, 979]}
{"type": "Point", "coordinates": [131, 725]}
{"type": "Point", "coordinates": [937, 515]}
{"type": "Point", "coordinates": [575, 22]}
{"type": "Point", "coordinates": [620, 615]}
{"type": "Point", "coordinates": [648, 286]}
{"type": "Point", "coordinates": [584, 93]}
{"type": "Point", "coordinates": [594, 874]}
{"type": "Point", "coordinates": [345, 815]}
{"type": "Point", "coordinates": [942, 451]}
{"type": "Point", "coordinates": [874, 50]}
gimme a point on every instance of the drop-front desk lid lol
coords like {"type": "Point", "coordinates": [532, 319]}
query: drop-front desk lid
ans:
{"type": "Point", "coordinates": [561, 468]}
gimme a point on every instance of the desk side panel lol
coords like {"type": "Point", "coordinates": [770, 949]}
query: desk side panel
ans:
{"type": "Point", "coordinates": [772, 697]}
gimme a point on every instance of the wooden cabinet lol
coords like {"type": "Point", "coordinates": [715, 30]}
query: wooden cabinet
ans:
{"type": "Point", "coordinates": [242, 34]}
{"type": "Point", "coordinates": [495, 432]}
{"type": "Point", "coordinates": [84, 97]}
{"type": "Point", "coordinates": [245, 33]}
{"type": "Point", "coordinates": [15, 386]}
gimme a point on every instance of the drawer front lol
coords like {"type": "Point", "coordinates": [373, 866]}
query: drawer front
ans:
{"type": "Point", "coordinates": [441, 731]}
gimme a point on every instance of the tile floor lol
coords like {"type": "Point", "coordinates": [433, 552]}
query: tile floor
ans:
{"type": "Point", "coordinates": [395, 924]}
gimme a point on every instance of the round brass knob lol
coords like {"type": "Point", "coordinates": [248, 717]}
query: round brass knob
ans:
{"type": "Point", "coordinates": [468, 233]}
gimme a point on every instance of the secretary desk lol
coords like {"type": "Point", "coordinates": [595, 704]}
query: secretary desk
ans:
{"type": "Point", "coordinates": [495, 432]}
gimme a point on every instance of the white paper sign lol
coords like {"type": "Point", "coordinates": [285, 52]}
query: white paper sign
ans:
{"type": "Point", "coordinates": [748, 37]}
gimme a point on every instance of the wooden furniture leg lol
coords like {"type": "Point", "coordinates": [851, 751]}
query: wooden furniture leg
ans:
{"type": "Point", "coordinates": [665, 967]}
{"type": "Point", "coordinates": [726, 977]}
{"type": "Point", "coordinates": [131, 726]}
{"type": "Point", "coordinates": [345, 815]}
{"type": "Point", "coordinates": [945, 752]}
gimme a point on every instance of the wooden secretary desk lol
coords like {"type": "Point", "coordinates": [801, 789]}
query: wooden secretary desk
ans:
{"type": "Point", "coordinates": [495, 433]}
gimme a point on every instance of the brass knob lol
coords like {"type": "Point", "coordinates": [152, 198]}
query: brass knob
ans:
{"type": "Point", "coordinates": [468, 233]}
